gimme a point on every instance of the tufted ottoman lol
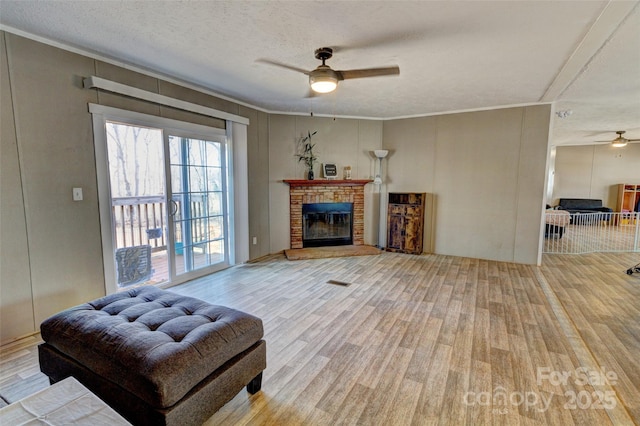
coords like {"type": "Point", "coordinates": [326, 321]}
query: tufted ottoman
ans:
{"type": "Point", "coordinates": [156, 357]}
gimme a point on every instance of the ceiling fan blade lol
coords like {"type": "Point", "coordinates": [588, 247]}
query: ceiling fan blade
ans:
{"type": "Point", "coordinates": [369, 72]}
{"type": "Point", "coordinates": [594, 133]}
{"type": "Point", "coordinates": [281, 65]}
{"type": "Point", "coordinates": [384, 39]}
{"type": "Point", "coordinates": [629, 141]}
{"type": "Point", "coordinates": [610, 140]}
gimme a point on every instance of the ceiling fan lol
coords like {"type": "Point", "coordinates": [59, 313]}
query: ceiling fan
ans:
{"type": "Point", "coordinates": [620, 141]}
{"type": "Point", "coordinates": [323, 79]}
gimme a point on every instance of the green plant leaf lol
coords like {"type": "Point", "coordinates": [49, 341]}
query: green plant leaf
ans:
{"type": "Point", "coordinates": [307, 155]}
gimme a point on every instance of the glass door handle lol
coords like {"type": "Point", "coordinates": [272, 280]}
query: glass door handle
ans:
{"type": "Point", "coordinates": [174, 208]}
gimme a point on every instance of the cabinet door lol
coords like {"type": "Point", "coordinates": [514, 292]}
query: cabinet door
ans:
{"type": "Point", "coordinates": [395, 233]}
{"type": "Point", "coordinates": [413, 232]}
{"type": "Point", "coordinates": [628, 201]}
{"type": "Point", "coordinates": [628, 196]}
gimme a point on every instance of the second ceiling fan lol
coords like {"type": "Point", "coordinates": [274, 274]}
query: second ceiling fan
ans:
{"type": "Point", "coordinates": [323, 79]}
{"type": "Point", "coordinates": [619, 141]}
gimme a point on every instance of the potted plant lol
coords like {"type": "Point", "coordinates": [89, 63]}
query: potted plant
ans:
{"type": "Point", "coordinates": [307, 156]}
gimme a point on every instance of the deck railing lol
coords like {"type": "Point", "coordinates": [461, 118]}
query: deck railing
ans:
{"type": "Point", "coordinates": [139, 221]}
{"type": "Point", "coordinates": [593, 232]}
{"type": "Point", "coordinates": [142, 221]}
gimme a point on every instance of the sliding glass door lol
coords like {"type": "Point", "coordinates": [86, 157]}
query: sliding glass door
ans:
{"type": "Point", "coordinates": [165, 184]}
{"type": "Point", "coordinates": [138, 203]}
{"type": "Point", "coordinates": [198, 203]}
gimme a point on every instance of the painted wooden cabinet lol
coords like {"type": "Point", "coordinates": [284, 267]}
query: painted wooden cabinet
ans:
{"type": "Point", "coordinates": [405, 222]}
{"type": "Point", "coordinates": [628, 197]}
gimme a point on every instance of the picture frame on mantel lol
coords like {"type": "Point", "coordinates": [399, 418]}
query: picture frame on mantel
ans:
{"type": "Point", "coordinates": [329, 171]}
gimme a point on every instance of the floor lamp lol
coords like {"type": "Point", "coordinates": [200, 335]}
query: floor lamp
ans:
{"type": "Point", "coordinates": [380, 154]}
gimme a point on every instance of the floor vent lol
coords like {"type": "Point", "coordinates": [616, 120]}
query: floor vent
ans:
{"type": "Point", "coordinates": [335, 282]}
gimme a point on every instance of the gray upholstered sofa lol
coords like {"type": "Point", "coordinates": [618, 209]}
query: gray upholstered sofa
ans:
{"type": "Point", "coordinates": [582, 205]}
{"type": "Point", "coordinates": [154, 356]}
{"type": "Point", "coordinates": [578, 206]}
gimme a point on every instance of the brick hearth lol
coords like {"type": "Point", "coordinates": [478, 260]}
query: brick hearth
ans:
{"type": "Point", "coordinates": [326, 191]}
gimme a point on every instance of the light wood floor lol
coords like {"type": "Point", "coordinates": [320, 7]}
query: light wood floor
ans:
{"type": "Point", "coordinates": [417, 340]}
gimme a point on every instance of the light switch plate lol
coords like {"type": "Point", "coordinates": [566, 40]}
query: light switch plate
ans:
{"type": "Point", "coordinates": [77, 194]}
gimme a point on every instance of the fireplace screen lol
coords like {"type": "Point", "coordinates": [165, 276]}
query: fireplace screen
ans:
{"type": "Point", "coordinates": [327, 224]}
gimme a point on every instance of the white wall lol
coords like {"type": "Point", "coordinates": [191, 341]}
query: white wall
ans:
{"type": "Point", "coordinates": [487, 172]}
{"type": "Point", "coordinates": [55, 153]}
{"type": "Point", "coordinates": [16, 296]}
{"type": "Point", "coordinates": [340, 141]}
{"type": "Point", "coordinates": [594, 171]}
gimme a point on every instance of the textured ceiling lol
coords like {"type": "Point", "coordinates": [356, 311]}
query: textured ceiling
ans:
{"type": "Point", "coordinates": [453, 56]}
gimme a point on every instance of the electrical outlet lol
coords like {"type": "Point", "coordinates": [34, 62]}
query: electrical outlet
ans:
{"type": "Point", "coordinates": [255, 240]}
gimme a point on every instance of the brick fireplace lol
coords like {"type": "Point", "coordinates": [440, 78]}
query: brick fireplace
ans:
{"type": "Point", "coordinates": [325, 191]}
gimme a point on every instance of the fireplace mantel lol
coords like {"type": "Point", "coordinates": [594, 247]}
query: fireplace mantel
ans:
{"type": "Point", "coordinates": [302, 191]}
{"type": "Point", "coordinates": [327, 182]}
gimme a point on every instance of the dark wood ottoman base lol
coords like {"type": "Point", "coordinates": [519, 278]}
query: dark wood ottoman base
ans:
{"type": "Point", "coordinates": [156, 357]}
{"type": "Point", "coordinates": [194, 409]}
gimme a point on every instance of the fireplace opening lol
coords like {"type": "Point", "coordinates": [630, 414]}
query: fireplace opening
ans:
{"type": "Point", "coordinates": [327, 224]}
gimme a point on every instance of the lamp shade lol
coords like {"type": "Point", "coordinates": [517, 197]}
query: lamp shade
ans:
{"type": "Point", "coordinates": [619, 142]}
{"type": "Point", "coordinates": [323, 79]}
{"type": "Point", "coordinates": [324, 86]}
{"type": "Point", "coordinates": [381, 153]}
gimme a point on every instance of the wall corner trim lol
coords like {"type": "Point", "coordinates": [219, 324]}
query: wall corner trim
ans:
{"type": "Point", "coordinates": [94, 82]}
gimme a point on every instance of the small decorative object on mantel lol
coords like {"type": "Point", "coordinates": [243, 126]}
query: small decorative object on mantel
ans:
{"type": "Point", "coordinates": [347, 172]}
{"type": "Point", "coordinates": [307, 155]}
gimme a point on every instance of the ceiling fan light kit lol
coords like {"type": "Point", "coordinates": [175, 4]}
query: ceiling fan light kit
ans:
{"type": "Point", "coordinates": [621, 141]}
{"type": "Point", "coordinates": [323, 79]}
